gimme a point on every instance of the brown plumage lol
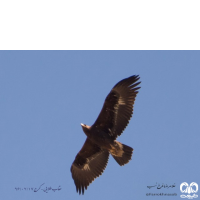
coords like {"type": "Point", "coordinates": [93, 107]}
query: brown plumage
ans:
{"type": "Point", "coordinates": [117, 110]}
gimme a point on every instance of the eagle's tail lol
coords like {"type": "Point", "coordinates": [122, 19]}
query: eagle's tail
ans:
{"type": "Point", "coordinates": [121, 153]}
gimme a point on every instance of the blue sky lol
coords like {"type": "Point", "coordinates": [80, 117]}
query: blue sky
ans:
{"type": "Point", "coordinates": [45, 95]}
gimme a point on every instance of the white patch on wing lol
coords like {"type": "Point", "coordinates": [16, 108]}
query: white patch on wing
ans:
{"type": "Point", "coordinates": [121, 101]}
{"type": "Point", "coordinates": [86, 167]}
{"type": "Point", "coordinates": [116, 107]}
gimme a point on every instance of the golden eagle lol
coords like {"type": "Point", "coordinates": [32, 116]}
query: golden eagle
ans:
{"type": "Point", "coordinates": [117, 110]}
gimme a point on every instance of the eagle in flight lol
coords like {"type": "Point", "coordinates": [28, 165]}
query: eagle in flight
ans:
{"type": "Point", "coordinates": [117, 110]}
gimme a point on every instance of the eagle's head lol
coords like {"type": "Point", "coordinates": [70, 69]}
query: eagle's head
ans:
{"type": "Point", "coordinates": [85, 128]}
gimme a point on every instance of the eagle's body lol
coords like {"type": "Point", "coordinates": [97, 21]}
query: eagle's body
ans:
{"type": "Point", "coordinates": [97, 136]}
{"type": "Point", "coordinates": [117, 110]}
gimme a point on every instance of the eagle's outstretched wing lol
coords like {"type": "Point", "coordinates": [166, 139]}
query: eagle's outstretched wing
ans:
{"type": "Point", "coordinates": [89, 163]}
{"type": "Point", "coordinates": [118, 107]}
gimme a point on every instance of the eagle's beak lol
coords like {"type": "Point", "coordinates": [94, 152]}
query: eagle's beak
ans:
{"type": "Point", "coordinates": [82, 124]}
